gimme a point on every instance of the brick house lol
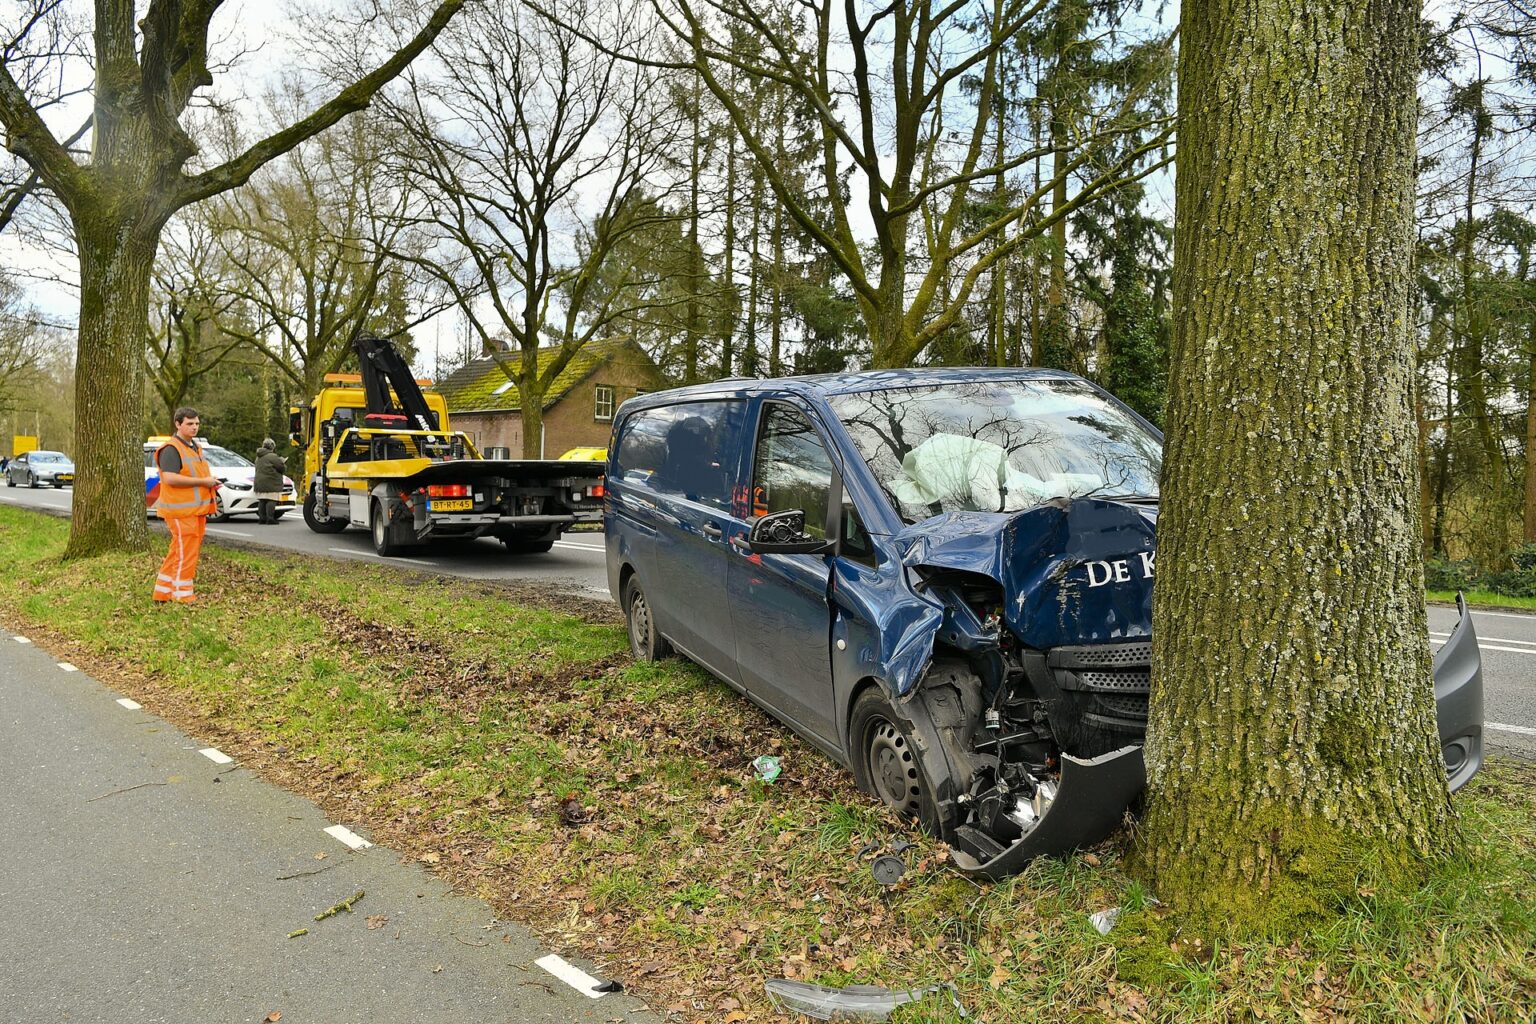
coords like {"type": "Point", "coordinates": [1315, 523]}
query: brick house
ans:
{"type": "Point", "coordinates": [578, 410]}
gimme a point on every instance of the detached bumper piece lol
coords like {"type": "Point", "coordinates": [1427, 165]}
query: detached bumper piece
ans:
{"type": "Point", "coordinates": [1459, 701]}
{"type": "Point", "coordinates": [1089, 805]}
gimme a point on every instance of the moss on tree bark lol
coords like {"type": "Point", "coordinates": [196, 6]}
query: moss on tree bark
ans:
{"type": "Point", "coordinates": [1291, 751]}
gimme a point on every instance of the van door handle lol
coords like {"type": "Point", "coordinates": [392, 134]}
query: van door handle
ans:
{"type": "Point", "coordinates": [712, 531]}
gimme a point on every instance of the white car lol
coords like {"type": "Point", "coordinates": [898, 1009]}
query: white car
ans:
{"type": "Point", "coordinates": [237, 473]}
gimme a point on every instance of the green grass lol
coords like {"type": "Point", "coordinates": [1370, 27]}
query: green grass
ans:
{"type": "Point", "coordinates": [452, 719]}
{"type": "Point", "coordinates": [1484, 599]}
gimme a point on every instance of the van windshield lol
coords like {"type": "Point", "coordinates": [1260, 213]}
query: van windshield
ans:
{"type": "Point", "coordinates": [999, 445]}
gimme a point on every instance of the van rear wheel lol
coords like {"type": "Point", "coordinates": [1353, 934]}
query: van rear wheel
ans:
{"type": "Point", "coordinates": [644, 642]}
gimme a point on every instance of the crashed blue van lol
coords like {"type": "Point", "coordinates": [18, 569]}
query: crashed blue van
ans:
{"type": "Point", "coordinates": [941, 577]}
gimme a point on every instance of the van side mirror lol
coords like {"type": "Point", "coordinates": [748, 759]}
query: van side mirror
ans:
{"type": "Point", "coordinates": [783, 533]}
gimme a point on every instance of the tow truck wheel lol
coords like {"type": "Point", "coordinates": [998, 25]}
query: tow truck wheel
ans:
{"type": "Point", "coordinates": [644, 642]}
{"type": "Point", "coordinates": [316, 522]}
{"type": "Point", "coordinates": [385, 536]}
{"type": "Point", "coordinates": [885, 763]}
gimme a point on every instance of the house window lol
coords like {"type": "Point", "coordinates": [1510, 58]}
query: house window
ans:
{"type": "Point", "coordinates": [604, 405]}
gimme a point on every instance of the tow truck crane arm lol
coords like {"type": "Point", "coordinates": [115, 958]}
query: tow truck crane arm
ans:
{"type": "Point", "coordinates": [384, 370]}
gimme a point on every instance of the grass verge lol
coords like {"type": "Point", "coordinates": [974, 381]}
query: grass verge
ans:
{"type": "Point", "coordinates": [501, 736]}
{"type": "Point", "coordinates": [1483, 599]}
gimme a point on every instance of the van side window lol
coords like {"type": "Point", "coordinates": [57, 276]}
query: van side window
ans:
{"type": "Point", "coordinates": [791, 468]}
{"type": "Point", "coordinates": [678, 449]}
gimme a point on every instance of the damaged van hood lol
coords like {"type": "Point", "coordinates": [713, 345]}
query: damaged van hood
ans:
{"type": "Point", "coordinates": [1072, 572]}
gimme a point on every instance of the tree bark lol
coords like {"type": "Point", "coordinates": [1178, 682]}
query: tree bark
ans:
{"type": "Point", "coordinates": [115, 265]}
{"type": "Point", "coordinates": [1530, 433]}
{"type": "Point", "coordinates": [1291, 743]}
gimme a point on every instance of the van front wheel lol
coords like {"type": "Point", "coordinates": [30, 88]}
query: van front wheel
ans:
{"type": "Point", "coordinates": [644, 642]}
{"type": "Point", "coordinates": [885, 762]}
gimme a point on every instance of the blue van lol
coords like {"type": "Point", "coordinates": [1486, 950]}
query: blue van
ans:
{"type": "Point", "coordinates": [942, 578]}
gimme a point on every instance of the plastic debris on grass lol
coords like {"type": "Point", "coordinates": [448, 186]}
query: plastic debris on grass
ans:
{"type": "Point", "coordinates": [1104, 920]}
{"type": "Point", "coordinates": [856, 1002]}
{"type": "Point", "coordinates": [767, 767]}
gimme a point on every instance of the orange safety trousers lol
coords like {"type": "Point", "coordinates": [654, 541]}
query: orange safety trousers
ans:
{"type": "Point", "coordinates": [180, 566]}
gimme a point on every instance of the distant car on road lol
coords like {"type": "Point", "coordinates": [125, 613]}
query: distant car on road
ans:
{"type": "Point", "coordinates": [237, 473]}
{"type": "Point", "coordinates": [34, 469]}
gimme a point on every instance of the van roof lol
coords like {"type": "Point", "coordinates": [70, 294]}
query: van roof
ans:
{"type": "Point", "coordinates": [828, 384]}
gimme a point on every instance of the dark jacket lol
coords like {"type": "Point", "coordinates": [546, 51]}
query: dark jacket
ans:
{"type": "Point", "coordinates": [269, 472]}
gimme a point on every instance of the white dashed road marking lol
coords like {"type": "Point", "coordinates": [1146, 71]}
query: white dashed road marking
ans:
{"type": "Point", "coordinates": [572, 975]}
{"type": "Point", "coordinates": [590, 548]}
{"type": "Point", "coordinates": [67, 667]}
{"type": "Point", "coordinates": [345, 835]}
{"type": "Point", "coordinates": [21, 639]}
{"type": "Point", "coordinates": [1521, 730]}
{"type": "Point", "coordinates": [131, 705]}
{"type": "Point", "coordinates": [228, 533]}
{"type": "Point", "coordinates": [216, 756]}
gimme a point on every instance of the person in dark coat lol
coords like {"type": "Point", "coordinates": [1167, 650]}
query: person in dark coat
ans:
{"type": "Point", "coordinates": [269, 481]}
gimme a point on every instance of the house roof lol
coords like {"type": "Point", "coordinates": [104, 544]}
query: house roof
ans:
{"type": "Point", "coordinates": [483, 386]}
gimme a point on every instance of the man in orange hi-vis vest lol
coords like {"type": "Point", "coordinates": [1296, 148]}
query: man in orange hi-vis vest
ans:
{"type": "Point", "coordinates": [187, 489]}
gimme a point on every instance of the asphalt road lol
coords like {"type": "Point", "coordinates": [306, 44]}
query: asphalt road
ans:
{"type": "Point", "coordinates": [1506, 639]}
{"type": "Point", "coordinates": [146, 881]}
{"type": "Point", "coordinates": [577, 560]}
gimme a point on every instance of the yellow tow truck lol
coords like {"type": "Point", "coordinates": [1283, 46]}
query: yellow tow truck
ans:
{"type": "Point", "coordinates": [379, 454]}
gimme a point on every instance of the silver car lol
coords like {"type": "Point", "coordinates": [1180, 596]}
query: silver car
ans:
{"type": "Point", "coordinates": [34, 469]}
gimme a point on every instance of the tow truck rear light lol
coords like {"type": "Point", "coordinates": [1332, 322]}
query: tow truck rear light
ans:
{"type": "Point", "coordinates": [448, 491]}
{"type": "Point", "coordinates": [596, 491]}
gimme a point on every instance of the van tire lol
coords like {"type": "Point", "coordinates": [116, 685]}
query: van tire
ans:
{"type": "Point", "coordinates": [315, 523]}
{"type": "Point", "coordinates": [644, 642]}
{"type": "Point", "coordinates": [886, 764]}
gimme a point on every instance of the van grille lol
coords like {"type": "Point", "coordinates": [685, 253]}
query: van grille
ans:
{"type": "Point", "coordinates": [1104, 692]}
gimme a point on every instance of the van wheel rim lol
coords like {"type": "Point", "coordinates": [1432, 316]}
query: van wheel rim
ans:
{"type": "Point", "coordinates": [892, 768]}
{"type": "Point", "coordinates": [640, 625]}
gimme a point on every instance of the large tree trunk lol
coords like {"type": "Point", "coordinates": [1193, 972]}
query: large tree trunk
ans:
{"type": "Point", "coordinates": [1291, 743]}
{"type": "Point", "coordinates": [1530, 435]}
{"type": "Point", "coordinates": [115, 265]}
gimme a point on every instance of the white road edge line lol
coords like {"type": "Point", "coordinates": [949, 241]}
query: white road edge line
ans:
{"type": "Point", "coordinates": [1522, 730]}
{"type": "Point", "coordinates": [216, 755]}
{"type": "Point", "coordinates": [21, 639]}
{"type": "Point", "coordinates": [229, 533]}
{"type": "Point", "coordinates": [345, 835]}
{"type": "Point", "coordinates": [370, 554]}
{"type": "Point", "coordinates": [131, 705]}
{"type": "Point", "coordinates": [572, 975]}
{"type": "Point", "coordinates": [67, 667]}
{"type": "Point", "coordinates": [1503, 615]}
